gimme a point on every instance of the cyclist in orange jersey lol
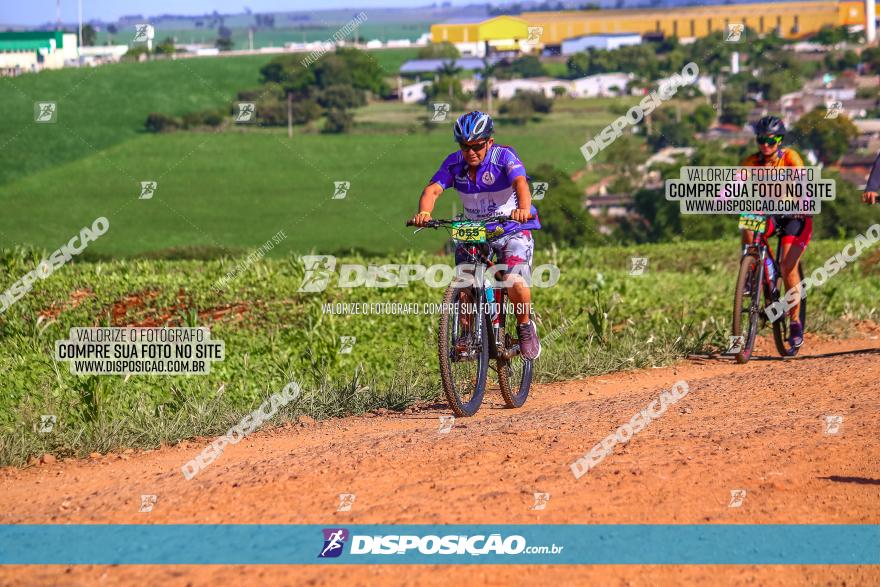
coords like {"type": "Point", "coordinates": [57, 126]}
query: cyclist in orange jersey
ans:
{"type": "Point", "coordinates": [795, 231]}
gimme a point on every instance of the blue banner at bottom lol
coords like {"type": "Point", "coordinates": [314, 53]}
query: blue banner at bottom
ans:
{"type": "Point", "coordinates": [752, 544]}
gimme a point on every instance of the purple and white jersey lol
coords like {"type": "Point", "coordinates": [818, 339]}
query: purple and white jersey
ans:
{"type": "Point", "coordinates": [492, 193]}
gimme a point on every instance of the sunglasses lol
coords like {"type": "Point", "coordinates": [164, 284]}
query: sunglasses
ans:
{"type": "Point", "coordinates": [477, 147]}
{"type": "Point", "coordinates": [767, 140]}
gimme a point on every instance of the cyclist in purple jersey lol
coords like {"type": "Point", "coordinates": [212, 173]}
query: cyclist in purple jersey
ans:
{"type": "Point", "coordinates": [491, 181]}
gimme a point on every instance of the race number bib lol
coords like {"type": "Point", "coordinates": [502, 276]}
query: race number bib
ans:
{"type": "Point", "coordinates": [469, 232]}
{"type": "Point", "coordinates": [754, 222]}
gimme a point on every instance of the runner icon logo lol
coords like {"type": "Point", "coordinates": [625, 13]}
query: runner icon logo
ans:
{"type": "Point", "coordinates": [734, 32]}
{"type": "Point", "coordinates": [441, 110]}
{"type": "Point", "coordinates": [47, 423]}
{"type": "Point", "coordinates": [147, 503]}
{"type": "Point", "coordinates": [737, 497]}
{"type": "Point", "coordinates": [736, 345]}
{"type": "Point", "coordinates": [346, 500]}
{"type": "Point", "coordinates": [638, 265]}
{"type": "Point", "coordinates": [832, 424]}
{"type": "Point", "coordinates": [541, 500]}
{"type": "Point", "coordinates": [334, 541]}
{"type": "Point", "coordinates": [446, 424]}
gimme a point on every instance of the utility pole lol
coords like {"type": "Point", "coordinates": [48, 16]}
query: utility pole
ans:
{"type": "Point", "coordinates": [57, 15]}
{"type": "Point", "coordinates": [870, 21]}
{"type": "Point", "coordinates": [79, 48]}
{"type": "Point", "coordinates": [251, 38]}
{"type": "Point", "coordinates": [489, 94]}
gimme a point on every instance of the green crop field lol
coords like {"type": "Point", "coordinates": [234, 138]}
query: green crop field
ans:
{"type": "Point", "coordinates": [221, 194]}
{"type": "Point", "coordinates": [230, 190]}
{"type": "Point", "coordinates": [274, 334]}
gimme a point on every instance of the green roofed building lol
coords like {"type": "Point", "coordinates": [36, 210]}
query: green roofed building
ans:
{"type": "Point", "coordinates": [29, 51]}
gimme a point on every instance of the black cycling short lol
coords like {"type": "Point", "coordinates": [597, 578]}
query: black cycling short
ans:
{"type": "Point", "coordinates": [792, 229]}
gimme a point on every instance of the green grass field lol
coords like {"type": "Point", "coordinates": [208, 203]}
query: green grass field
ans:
{"type": "Point", "coordinates": [228, 192]}
{"type": "Point", "coordinates": [232, 189]}
{"type": "Point", "coordinates": [274, 334]}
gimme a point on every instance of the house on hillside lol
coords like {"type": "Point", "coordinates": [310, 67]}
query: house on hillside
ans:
{"type": "Point", "coordinates": [506, 89]}
{"type": "Point", "coordinates": [601, 84]}
{"type": "Point", "coordinates": [413, 93]}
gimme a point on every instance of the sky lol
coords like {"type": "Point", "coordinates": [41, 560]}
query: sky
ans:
{"type": "Point", "coordinates": [33, 12]}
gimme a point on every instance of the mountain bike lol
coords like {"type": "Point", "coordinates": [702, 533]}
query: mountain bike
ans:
{"type": "Point", "coordinates": [474, 329]}
{"type": "Point", "coordinates": [753, 281]}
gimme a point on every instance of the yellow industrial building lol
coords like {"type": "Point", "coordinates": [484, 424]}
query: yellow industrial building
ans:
{"type": "Point", "coordinates": [790, 19]}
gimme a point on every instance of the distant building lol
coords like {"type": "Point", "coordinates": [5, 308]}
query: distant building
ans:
{"type": "Point", "coordinates": [435, 65]}
{"type": "Point", "coordinates": [397, 43]}
{"type": "Point", "coordinates": [102, 54]}
{"type": "Point", "coordinates": [856, 168]}
{"type": "Point", "coordinates": [606, 41]}
{"type": "Point", "coordinates": [507, 89]}
{"type": "Point", "coordinates": [477, 39]}
{"type": "Point", "coordinates": [790, 20]}
{"type": "Point", "coordinates": [30, 51]}
{"type": "Point", "coordinates": [413, 92]}
{"type": "Point", "coordinates": [602, 84]}
{"type": "Point", "coordinates": [702, 83]}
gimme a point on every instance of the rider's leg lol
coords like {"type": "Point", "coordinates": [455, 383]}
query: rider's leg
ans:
{"type": "Point", "coordinates": [521, 297]}
{"type": "Point", "coordinates": [515, 252]}
{"type": "Point", "coordinates": [790, 256]}
{"type": "Point", "coordinates": [796, 235]}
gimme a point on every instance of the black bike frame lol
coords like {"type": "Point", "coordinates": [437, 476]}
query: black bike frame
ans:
{"type": "Point", "coordinates": [481, 257]}
{"type": "Point", "coordinates": [764, 250]}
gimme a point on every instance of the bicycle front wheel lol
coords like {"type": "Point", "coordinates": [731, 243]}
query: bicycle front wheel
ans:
{"type": "Point", "coordinates": [745, 308]}
{"type": "Point", "coordinates": [463, 350]}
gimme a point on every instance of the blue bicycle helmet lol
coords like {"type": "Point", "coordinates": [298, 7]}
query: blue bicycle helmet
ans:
{"type": "Point", "coordinates": [473, 126]}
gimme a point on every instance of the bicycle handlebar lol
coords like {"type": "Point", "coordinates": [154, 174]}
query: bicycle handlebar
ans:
{"type": "Point", "coordinates": [444, 222]}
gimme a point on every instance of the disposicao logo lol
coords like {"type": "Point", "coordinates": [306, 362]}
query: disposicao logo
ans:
{"type": "Point", "coordinates": [334, 540]}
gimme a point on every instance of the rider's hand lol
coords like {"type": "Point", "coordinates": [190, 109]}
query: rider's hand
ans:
{"type": "Point", "coordinates": [420, 219]}
{"type": "Point", "coordinates": [520, 215]}
{"type": "Point", "coordinates": [870, 197]}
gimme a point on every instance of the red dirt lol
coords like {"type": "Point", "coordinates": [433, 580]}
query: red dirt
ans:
{"type": "Point", "coordinates": [758, 427]}
{"type": "Point", "coordinates": [134, 311]}
{"type": "Point", "coordinates": [76, 298]}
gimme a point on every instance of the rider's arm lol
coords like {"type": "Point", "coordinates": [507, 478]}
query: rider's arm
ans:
{"type": "Point", "coordinates": [426, 204]}
{"type": "Point", "coordinates": [516, 174]}
{"type": "Point", "coordinates": [523, 199]}
{"type": "Point", "coordinates": [873, 185]}
{"type": "Point", "coordinates": [429, 196]}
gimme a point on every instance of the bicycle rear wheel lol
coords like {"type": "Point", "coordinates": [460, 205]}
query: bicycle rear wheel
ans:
{"type": "Point", "coordinates": [780, 327]}
{"type": "Point", "coordinates": [463, 345]}
{"type": "Point", "coordinates": [745, 307]}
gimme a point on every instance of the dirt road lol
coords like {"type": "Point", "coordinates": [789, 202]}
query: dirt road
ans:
{"type": "Point", "coordinates": [761, 427]}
